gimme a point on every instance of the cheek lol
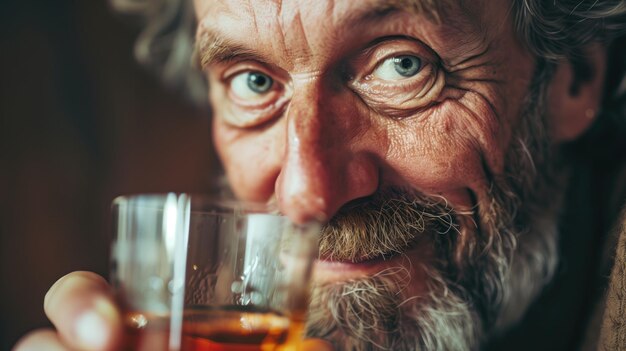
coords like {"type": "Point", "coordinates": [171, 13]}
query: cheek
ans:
{"type": "Point", "coordinates": [445, 151]}
{"type": "Point", "coordinates": [251, 160]}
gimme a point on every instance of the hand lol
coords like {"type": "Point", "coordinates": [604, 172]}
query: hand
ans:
{"type": "Point", "coordinates": [82, 308]}
{"type": "Point", "coordinates": [80, 305]}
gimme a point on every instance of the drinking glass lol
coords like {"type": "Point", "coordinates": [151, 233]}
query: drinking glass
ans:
{"type": "Point", "coordinates": [193, 273]}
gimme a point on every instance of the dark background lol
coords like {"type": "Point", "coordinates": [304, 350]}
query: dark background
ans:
{"type": "Point", "coordinates": [80, 123]}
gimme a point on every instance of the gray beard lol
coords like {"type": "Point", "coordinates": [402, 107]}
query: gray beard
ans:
{"type": "Point", "coordinates": [373, 313]}
{"type": "Point", "coordinates": [479, 285]}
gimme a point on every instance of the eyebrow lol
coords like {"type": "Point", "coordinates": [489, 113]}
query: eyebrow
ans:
{"type": "Point", "coordinates": [212, 47]}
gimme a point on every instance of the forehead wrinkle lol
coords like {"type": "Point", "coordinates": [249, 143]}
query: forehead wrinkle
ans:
{"type": "Point", "coordinates": [297, 43]}
{"type": "Point", "coordinates": [274, 7]}
{"type": "Point", "coordinates": [254, 21]}
{"type": "Point", "coordinates": [433, 9]}
{"type": "Point", "coordinates": [218, 43]}
{"type": "Point", "coordinates": [286, 28]}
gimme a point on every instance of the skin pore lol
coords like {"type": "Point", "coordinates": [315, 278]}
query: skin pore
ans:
{"type": "Point", "coordinates": [425, 135]}
{"type": "Point", "coordinates": [412, 133]}
{"type": "Point", "coordinates": [344, 144]}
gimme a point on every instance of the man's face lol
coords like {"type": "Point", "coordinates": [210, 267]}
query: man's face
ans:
{"type": "Point", "coordinates": [394, 120]}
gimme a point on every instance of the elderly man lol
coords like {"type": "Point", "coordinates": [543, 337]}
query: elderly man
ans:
{"type": "Point", "coordinates": [447, 145]}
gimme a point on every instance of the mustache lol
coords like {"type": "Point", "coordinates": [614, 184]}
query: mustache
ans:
{"type": "Point", "coordinates": [384, 224]}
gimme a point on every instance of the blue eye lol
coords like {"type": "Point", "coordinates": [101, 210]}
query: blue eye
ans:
{"type": "Point", "coordinates": [407, 66]}
{"type": "Point", "coordinates": [252, 85]}
{"type": "Point", "coordinates": [259, 82]}
{"type": "Point", "coordinates": [398, 68]}
{"type": "Point", "coordinates": [253, 95]}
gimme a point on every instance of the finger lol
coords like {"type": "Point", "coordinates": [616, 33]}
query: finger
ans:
{"type": "Point", "coordinates": [38, 340]}
{"type": "Point", "coordinates": [81, 307]}
{"type": "Point", "coordinates": [315, 345]}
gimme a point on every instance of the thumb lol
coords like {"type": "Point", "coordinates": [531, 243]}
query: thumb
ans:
{"type": "Point", "coordinates": [81, 307]}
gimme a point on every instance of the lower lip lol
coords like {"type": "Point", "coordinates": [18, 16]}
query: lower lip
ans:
{"type": "Point", "coordinates": [333, 271]}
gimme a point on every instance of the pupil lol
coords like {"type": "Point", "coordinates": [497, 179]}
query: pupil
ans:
{"type": "Point", "coordinates": [406, 63]}
{"type": "Point", "coordinates": [407, 66]}
{"type": "Point", "coordinates": [258, 80]}
{"type": "Point", "coordinates": [259, 83]}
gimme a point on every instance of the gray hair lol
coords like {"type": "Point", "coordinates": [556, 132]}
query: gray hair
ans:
{"type": "Point", "coordinates": [166, 43]}
{"type": "Point", "coordinates": [563, 29]}
{"type": "Point", "coordinates": [552, 30]}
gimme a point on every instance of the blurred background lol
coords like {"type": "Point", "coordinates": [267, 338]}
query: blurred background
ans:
{"type": "Point", "coordinates": [80, 123]}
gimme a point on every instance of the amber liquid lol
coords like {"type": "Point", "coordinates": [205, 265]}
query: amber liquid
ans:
{"type": "Point", "coordinates": [204, 329]}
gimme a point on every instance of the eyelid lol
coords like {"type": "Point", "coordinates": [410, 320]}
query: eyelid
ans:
{"type": "Point", "coordinates": [422, 62]}
{"type": "Point", "coordinates": [248, 113]}
{"type": "Point", "coordinates": [262, 101]}
{"type": "Point", "coordinates": [402, 97]}
{"type": "Point", "coordinates": [226, 73]}
{"type": "Point", "coordinates": [237, 69]}
{"type": "Point", "coordinates": [373, 56]}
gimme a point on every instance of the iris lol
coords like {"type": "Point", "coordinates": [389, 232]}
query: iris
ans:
{"type": "Point", "coordinates": [259, 83]}
{"type": "Point", "coordinates": [407, 65]}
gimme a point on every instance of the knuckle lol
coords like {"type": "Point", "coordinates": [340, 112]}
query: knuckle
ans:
{"type": "Point", "coordinates": [69, 282]}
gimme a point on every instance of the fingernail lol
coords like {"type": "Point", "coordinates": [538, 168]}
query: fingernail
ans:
{"type": "Point", "coordinates": [92, 330]}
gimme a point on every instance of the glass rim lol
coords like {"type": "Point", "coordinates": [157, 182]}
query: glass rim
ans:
{"type": "Point", "coordinates": [205, 203]}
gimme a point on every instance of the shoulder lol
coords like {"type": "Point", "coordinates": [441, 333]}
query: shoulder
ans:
{"type": "Point", "coordinates": [613, 332]}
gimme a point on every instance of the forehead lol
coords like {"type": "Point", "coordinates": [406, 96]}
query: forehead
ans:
{"type": "Point", "coordinates": [248, 8]}
{"type": "Point", "coordinates": [298, 29]}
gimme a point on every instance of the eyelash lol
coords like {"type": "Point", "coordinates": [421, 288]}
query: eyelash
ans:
{"type": "Point", "coordinates": [408, 83]}
{"type": "Point", "coordinates": [373, 58]}
{"type": "Point", "coordinates": [418, 49]}
{"type": "Point", "coordinates": [240, 67]}
{"type": "Point", "coordinates": [229, 74]}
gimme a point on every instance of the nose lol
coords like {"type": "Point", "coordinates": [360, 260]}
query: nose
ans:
{"type": "Point", "coordinates": [326, 163]}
